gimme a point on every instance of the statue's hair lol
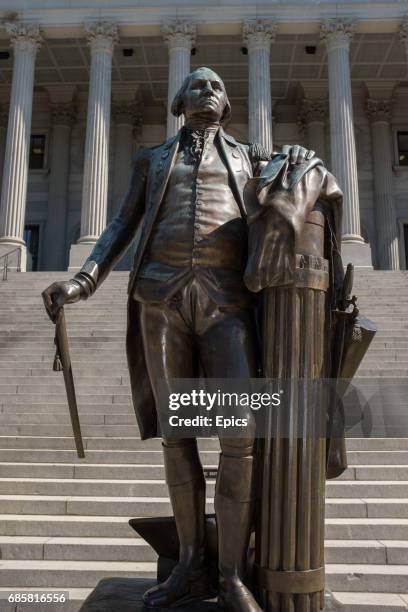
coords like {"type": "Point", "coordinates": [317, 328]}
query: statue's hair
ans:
{"type": "Point", "coordinates": [177, 106]}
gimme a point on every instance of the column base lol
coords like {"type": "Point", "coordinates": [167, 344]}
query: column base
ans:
{"type": "Point", "coordinates": [357, 253]}
{"type": "Point", "coordinates": [78, 255]}
{"type": "Point", "coordinates": [18, 261]}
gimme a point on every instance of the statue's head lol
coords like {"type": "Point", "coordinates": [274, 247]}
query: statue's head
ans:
{"type": "Point", "coordinates": [202, 94]}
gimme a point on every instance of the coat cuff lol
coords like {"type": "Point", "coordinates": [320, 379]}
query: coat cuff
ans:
{"type": "Point", "coordinates": [87, 277]}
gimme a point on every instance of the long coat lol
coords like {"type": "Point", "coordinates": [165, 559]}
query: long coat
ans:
{"type": "Point", "coordinates": [138, 211]}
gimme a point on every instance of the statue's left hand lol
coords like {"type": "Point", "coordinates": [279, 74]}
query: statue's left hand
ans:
{"type": "Point", "coordinates": [297, 154]}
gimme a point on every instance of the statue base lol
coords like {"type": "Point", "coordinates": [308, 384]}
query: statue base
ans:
{"type": "Point", "coordinates": [125, 595]}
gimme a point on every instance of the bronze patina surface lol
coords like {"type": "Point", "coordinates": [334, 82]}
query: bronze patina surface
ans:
{"type": "Point", "coordinates": [224, 227]}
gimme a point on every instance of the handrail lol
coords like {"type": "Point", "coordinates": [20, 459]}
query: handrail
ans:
{"type": "Point", "coordinates": [5, 256]}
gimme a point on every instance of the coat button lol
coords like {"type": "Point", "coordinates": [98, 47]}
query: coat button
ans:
{"type": "Point", "coordinates": [235, 154]}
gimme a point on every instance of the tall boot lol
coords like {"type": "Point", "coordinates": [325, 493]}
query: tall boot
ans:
{"type": "Point", "coordinates": [188, 581]}
{"type": "Point", "coordinates": [234, 511]}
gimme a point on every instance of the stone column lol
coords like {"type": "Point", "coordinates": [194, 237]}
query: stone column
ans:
{"type": "Point", "coordinates": [4, 111]}
{"type": "Point", "coordinates": [312, 117]}
{"type": "Point", "coordinates": [403, 34]}
{"type": "Point", "coordinates": [379, 113]}
{"type": "Point", "coordinates": [102, 38]}
{"type": "Point", "coordinates": [180, 39]}
{"type": "Point", "coordinates": [337, 34]}
{"type": "Point", "coordinates": [25, 40]}
{"type": "Point", "coordinates": [127, 118]}
{"type": "Point", "coordinates": [63, 114]}
{"type": "Point", "coordinates": [258, 36]}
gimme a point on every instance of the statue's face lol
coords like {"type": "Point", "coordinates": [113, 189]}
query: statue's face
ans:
{"type": "Point", "coordinates": [205, 95]}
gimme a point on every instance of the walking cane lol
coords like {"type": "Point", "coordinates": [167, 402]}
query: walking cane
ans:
{"type": "Point", "coordinates": [62, 361]}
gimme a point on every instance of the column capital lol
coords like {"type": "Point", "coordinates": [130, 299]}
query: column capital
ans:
{"type": "Point", "coordinates": [63, 113]}
{"type": "Point", "coordinates": [179, 34]}
{"type": "Point", "coordinates": [337, 32]}
{"type": "Point", "coordinates": [24, 37]}
{"type": "Point", "coordinates": [259, 33]}
{"type": "Point", "coordinates": [127, 112]}
{"type": "Point", "coordinates": [313, 111]}
{"type": "Point", "coordinates": [379, 110]}
{"type": "Point", "coordinates": [102, 36]}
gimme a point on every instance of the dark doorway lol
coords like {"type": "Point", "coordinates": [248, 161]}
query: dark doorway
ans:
{"type": "Point", "coordinates": [32, 240]}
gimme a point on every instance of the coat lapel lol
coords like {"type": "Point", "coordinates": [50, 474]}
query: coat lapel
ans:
{"type": "Point", "coordinates": [159, 173]}
{"type": "Point", "coordinates": [160, 170]}
{"type": "Point", "coordinates": [236, 164]}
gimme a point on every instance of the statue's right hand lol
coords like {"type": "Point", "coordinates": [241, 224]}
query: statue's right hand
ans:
{"type": "Point", "coordinates": [59, 294]}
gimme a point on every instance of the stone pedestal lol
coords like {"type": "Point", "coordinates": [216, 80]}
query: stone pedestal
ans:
{"type": "Point", "coordinates": [357, 253]}
{"type": "Point", "coordinates": [19, 259]}
{"type": "Point", "coordinates": [77, 256]}
{"type": "Point", "coordinates": [125, 595]}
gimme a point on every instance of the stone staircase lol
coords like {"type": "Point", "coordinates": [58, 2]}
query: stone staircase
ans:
{"type": "Point", "coordinates": [64, 521]}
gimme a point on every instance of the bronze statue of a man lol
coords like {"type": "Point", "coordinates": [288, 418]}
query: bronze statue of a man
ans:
{"type": "Point", "coordinates": [189, 307]}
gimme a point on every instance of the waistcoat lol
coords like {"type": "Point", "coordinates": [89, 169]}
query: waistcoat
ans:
{"type": "Point", "coordinates": [199, 230]}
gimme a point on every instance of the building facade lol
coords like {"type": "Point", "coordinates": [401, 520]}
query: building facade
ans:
{"type": "Point", "coordinates": [85, 84]}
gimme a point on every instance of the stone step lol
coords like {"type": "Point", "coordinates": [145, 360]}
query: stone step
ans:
{"type": "Point", "coordinates": [40, 368]}
{"type": "Point", "coordinates": [61, 417]}
{"type": "Point", "coordinates": [53, 378]}
{"type": "Point", "coordinates": [66, 574]}
{"type": "Point", "coordinates": [376, 457]}
{"type": "Point", "coordinates": [383, 372]}
{"type": "Point", "coordinates": [89, 471]}
{"type": "Point", "coordinates": [53, 573]}
{"type": "Point", "coordinates": [156, 456]}
{"type": "Point", "coordinates": [109, 488]}
{"type": "Point", "coordinates": [63, 525]}
{"type": "Point", "coordinates": [47, 334]}
{"type": "Point", "coordinates": [53, 390]}
{"type": "Point", "coordinates": [103, 443]}
{"type": "Point", "coordinates": [112, 549]}
{"type": "Point", "coordinates": [108, 431]}
{"type": "Point", "coordinates": [156, 470]}
{"type": "Point", "coordinates": [160, 506]}
{"type": "Point", "coordinates": [157, 488]}
{"type": "Point", "coordinates": [66, 525]}
{"type": "Point", "coordinates": [371, 602]}
{"type": "Point", "coordinates": [367, 528]}
{"type": "Point", "coordinates": [100, 457]}
{"type": "Point", "coordinates": [365, 577]}
{"type": "Point", "coordinates": [92, 442]}
{"type": "Point", "coordinates": [377, 472]}
{"type": "Point", "coordinates": [94, 342]}
{"type": "Point", "coordinates": [365, 488]}
{"type": "Point", "coordinates": [62, 410]}
{"type": "Point", "coordinates": [387, 552]}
